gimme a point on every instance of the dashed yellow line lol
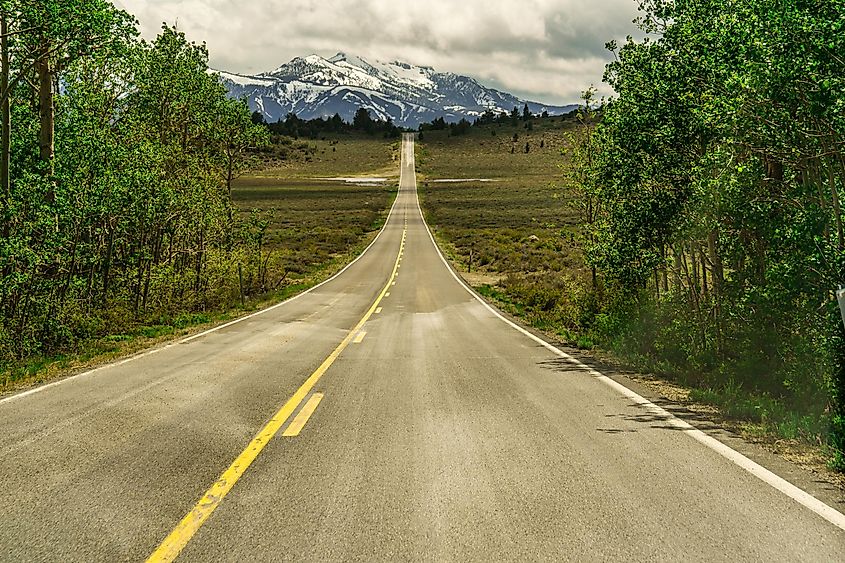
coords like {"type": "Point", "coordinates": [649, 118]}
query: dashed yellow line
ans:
{"type": "Point", "coordinates": [295, 427]}
{"type": "Point", "coordinates": [176, 541]}
{"type": "Point", "coordinates": [378, 310]}
{"type": "Point", "coordinates": [360, 337]}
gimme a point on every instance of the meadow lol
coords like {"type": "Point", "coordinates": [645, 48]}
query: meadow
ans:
{"type": "Point", "coordinates": [312, 219]}
{"type": "Point", "coordinates": [507, 218]}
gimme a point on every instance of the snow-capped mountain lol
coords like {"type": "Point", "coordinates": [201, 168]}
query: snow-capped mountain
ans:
{"type": "Point", "coordinates": [312, 87]}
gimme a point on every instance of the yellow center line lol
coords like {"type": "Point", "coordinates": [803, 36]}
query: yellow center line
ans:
{"type": "Point", "coordinates": [295, 427]}
{"type": "Point", "coordinates": [176, 541]}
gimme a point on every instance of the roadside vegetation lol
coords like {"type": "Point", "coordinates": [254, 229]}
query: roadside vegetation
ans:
{"type": "Point", "coordinates": [509, 219]}
{"type": "Point", "coordinates": [714, 180]}
{"type": "Point", "coordinates": [126, 214]}
{"type": "Point", "coordinates": [693, 224]}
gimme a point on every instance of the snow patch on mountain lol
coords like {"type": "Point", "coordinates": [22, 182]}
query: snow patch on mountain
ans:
{"type": "Point", "coordinates": [313, 86]}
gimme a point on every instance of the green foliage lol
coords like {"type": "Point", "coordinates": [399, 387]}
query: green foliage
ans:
{"type": "Point", "coordinates": [131, 218]}
{"type": "Point", "coordinates": [713, 182]}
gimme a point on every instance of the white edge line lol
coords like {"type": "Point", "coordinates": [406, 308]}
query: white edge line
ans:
{"type": "Point", "coordinates": [41, 388]}
{"type": "Point", "coordinates": [795, 493]}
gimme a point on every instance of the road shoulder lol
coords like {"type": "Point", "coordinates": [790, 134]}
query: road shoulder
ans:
{"type": "Point", "coordinates": [792, 462]}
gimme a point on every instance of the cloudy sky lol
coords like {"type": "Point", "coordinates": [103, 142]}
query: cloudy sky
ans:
{"type": "Point", "coordinates": [545, 50]}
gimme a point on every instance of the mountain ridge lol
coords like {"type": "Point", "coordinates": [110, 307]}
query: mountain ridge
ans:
{"type": "Point", "coordinates": [313, 86]}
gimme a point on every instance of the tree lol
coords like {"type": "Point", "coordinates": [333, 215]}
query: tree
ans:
{"type": "Point", "coordinates": [718, 168]}
{"type": "Point", "coordinates": [257, 118]}
{"type": "Point", "coordinates": [5, 119]}
{"type": "Point", "coordinates": [238, 135]}
{"type": "Point", "coordinates": [460, 128]}
{"type": "Point", "coordinates": [58, 33]}
{"type": "Point", "coordinates": [130, 209]}
{"type": "Point", "coordinates": [362, 120]}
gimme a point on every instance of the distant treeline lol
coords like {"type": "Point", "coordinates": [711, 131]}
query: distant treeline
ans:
{"type": "Point", "coordinates": [362, 122]}
{"type": "Point", "coordinates": [489, 117]}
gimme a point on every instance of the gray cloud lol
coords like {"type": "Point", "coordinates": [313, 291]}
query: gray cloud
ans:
{"type": "Point", "coordinates": [548, 50]}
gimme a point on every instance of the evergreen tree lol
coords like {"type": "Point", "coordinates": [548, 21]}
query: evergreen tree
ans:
{"type": "Point", "coordinates": [362, 120]}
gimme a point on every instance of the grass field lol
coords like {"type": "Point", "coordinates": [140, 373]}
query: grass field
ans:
{"type": "Point", "coordinates": [314, 220]}
{"type": "Point", "coordinates": [506, 216]}
{"type": "Point", "coordinates": [331, 156]}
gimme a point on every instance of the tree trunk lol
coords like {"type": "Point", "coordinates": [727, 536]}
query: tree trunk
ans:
{"type": "Point", "coordinates": [774, 169]}
{"type": "Point", "coordinates": [230, 175]}
{"type": "Point", "coordinates": [676, 270]}
{"type": "Point", "coordinates": [716, 261]}
{"type": "Point", "coordinates": [107, 266]}
{"type": "Point", "coordinates": [837, 210]}
{"type": "Point", "coordinates": [198, 264]}
{"type": "Point", "coordinates": [241, 283]}
{"type": "Point", "coordinates": [146, 295]}
{"type": "Point", "coordinates": [718, 282]}
{"type": "Point", "coordinates": [695, 283]}
{"type": "Point", "coordinates": [45, 108]}
{"type": "Point", "coordinates": [140, 271]}
{"type": "Point", "coordinates": [657, 285]}
{"type": "Point", "coordinates": [230, 211]}
{"type": "Point", "coordinates": [6, 129]}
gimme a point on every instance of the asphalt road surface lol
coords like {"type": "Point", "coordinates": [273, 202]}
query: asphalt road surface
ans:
{"type": "Point", "coordinates": [437, 431]}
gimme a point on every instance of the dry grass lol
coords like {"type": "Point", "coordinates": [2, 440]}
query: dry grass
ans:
{"type": "Point", "coordinates": [331, 156]}
{"type": "Point", "coordinates": [514, 235]}
{"type": "Point", "coordinates": [520, 222]}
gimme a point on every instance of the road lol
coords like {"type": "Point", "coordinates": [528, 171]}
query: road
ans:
{"type": "Point", "coordinates": [443, 433]}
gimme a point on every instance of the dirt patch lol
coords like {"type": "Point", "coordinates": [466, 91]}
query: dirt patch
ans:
{"type": "Point", "coordinates": [460, 180]}
{"type": "Point", "coordinates": [357, 180]}
{"type": "Point", "coordinates": [476, 279]}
